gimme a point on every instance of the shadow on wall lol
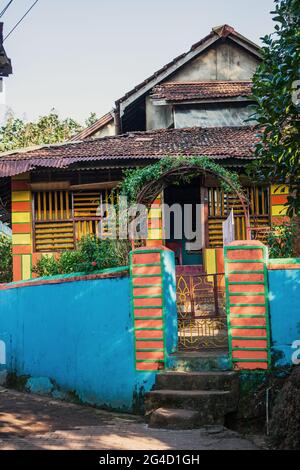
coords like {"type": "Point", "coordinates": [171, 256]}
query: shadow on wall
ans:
{"type": "Point", "coordinates": [79, 334]}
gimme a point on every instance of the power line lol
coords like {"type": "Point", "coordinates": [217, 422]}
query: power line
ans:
{"type": "Point", "coordinates": [20, 20]}
{"type": "Point", "coordinates": [5, 8]}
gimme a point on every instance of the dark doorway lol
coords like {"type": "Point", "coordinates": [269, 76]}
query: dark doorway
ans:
{"type": "Point", "coordinates": [187, 194]}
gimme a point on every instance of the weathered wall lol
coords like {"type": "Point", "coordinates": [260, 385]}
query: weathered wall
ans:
{"type": "Point", "coordinates": [211, 116]}
{"type": "Point", "coordinates": [225, 61]}
{"type": "Point", "coordinates": [158, 117]}
{"type": "Point", "coordinates": [78, 333]}
{"type": "Point", "coordinates": [106, 131]}
{"type": "Point", "coordinates": [284, 302]}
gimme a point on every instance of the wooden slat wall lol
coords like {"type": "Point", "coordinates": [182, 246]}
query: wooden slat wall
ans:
{"type": "Point", "coordinates": [61, 217]}
{"type": "Point", "coordinates": [54, 236]}
{"type": "Point", "coordinates": [220, 204]}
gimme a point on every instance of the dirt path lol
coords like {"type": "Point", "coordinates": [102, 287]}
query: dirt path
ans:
{"type": "Point", "coordinates": [33, 422]}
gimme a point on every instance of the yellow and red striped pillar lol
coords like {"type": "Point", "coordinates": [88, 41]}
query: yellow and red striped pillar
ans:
{"type": "Point", "coordinates": [153, 288]}
{"type": "Point", "coordinates": [247, 305]}
{"type": "Point", "coordinates": [155, 223]}
{"type": "Point", "coordinates": [21, 227]}
{"type": "Point", "coordinates": [279, 197]}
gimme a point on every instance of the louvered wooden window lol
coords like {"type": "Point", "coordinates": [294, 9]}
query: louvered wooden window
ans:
{"type": "Point", "coordinates": [53, 225]}
{"type": "Point", "coordinates": [61, 218]}
{"type": "Point", "coordinates": [220, 205]}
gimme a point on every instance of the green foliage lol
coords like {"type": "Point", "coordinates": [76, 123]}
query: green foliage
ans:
{"type": "Point", "coordinates": [277, 107]}
{"type": "Point", "coordinates": [92, 254]}
{"type": "Point", "coordinates": [50, 129]}
{"type": "Point", "coordinates": [92, 118]}
{"type": "Point", "coordinates": [281, 240]}
{"type": "Point", "coordinates": [137, 178]}
{"type": "Point", "coordinates": [5, 259]}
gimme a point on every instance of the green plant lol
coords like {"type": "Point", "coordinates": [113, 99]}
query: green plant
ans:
{"type": "Point", "coordinates": [5, 259]}
{"type": "Point", "coordinates": [49, 129]}
{"type": "Point", "coordinates": [138, 178]}
{"type": "Point", "coordinates": [276, 92]}
{"type": "Point", "coordinates": [92, 254]}
{"type": "Point", "coordinates": [281, 240]}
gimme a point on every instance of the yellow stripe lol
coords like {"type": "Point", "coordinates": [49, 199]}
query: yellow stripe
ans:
{"type": "Point", "coordinates": [26, 267]}
{"type": "Point", "coordinates": [21, 239]}
{"type": "Point", "coordinates": [279, 210]}
{"type": "Point", "coordinates": [154, 213]}
{"type": "Point", "coordinates": [279, 189]}
{"type": "Point", "coordinates": [21, 217]}
{"type": "Point", "coordinates": [210, 260]}
{"type": "Point", "coordinates": [22, 177]}
{"type": "Point", "coordinates": [155, 234]}
{"type": "Point", "coordinates": [20, 196]}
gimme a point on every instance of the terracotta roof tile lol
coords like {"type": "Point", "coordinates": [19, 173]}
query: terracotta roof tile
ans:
{"type": "Point", "coordinates": [188, 91]}
{"type": "Point", "coordinates": [217, 142]}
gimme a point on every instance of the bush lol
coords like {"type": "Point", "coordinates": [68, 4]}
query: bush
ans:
{"type": "Point", "coordinates": [92, 254]}
{"type": "Point", "coordinates": [281, 240]}
{"type": "Point", "coordinates": [5, 259]}
{"type": "Point", "coordinates": [285, 422]}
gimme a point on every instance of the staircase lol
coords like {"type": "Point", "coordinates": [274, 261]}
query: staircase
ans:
{"type": "Point", "coordinates": [189, 398]}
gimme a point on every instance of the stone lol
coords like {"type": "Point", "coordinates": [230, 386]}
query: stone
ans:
{"type": "Point", "coordinates": [39, 385]}
{"type": "Point", "coordinates": [172, 418]}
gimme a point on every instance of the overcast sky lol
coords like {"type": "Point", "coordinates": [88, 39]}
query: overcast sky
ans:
{"type": "Point", "coordinates": [80, 56]}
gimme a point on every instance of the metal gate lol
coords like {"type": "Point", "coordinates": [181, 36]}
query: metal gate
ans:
{"type": "Point", "coordinates": [201, 311]}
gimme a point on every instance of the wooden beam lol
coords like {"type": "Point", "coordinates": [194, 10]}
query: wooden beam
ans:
{"type": "Point", "coordinates": [92, 186]}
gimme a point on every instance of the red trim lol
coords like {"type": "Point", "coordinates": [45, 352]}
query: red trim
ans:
{"type": "Point", "coordinates": [41, 282]}
{"type": "Point", "coordinates": [278, 267]}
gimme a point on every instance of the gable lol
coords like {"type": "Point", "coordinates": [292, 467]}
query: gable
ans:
{"type": "Point", "coordinates": [224, 60]}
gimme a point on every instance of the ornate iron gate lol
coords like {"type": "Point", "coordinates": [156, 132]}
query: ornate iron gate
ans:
{"type": "Point", "coordinates": [201, 311]}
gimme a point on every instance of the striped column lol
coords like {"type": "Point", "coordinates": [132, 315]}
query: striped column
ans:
{"type": "Point", "coordinates": [21, 228]}
{"type": "Point", "coordinates": [279, 195]}
{"type": "Point", "coordinates": [154, 313]}
{"type": "Point", "coordinates": [247, 304]}
{"type": "Point", "coordinates": [155, 222]}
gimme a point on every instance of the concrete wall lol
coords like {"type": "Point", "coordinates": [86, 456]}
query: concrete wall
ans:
{"type": "Point", "coordinates": [106, 131]}
{"type": "Point", "coordinates": [79, 334]}
{"type": "Point", "coordinates": [211, 116]}
{"type": "Point", "coordinates": [225, 61]}
{"type": "Point", "coordinates": [158, 117]}
{"type": "Point", "coordinates": [284, 304]}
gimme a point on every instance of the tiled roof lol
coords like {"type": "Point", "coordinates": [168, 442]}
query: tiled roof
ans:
{"type": "Point", "coordinates": [217, 142]}
{"type": "Point", "coordinates": [94, 128]}
{"type": "Point", "coordinates": [189, 91]}
{"type": "Point", "coordinates": [218, 32]}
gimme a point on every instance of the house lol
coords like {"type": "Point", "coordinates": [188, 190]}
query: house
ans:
{"type": "Point", "coordinates": [199, 104]}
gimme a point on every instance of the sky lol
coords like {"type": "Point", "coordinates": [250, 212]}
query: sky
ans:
{"type": "Point", "coordinates": [81, 56]}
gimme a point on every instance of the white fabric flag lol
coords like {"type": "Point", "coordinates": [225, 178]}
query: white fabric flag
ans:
{"type": "Point", "coordinates": [228, 229]}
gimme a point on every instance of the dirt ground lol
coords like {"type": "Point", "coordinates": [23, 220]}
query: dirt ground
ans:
{"type": "Point", "coordinates": [32, 422]}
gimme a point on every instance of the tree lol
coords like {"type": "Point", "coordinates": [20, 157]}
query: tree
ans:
{"type": "Point", "coordinates": [49, 129]}
{"type": "Point", "coordinates": [6, 259]}
{"type": "Point", "coordinates": [275, 89]}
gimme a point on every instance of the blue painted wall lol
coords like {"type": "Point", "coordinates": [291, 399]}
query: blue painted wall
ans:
{"type": "Point", "coordinates": [169, 299]}
{"type": "Point", "coordinates": [78, 333]}
{"type": "Point", "coordinates": [284, 297]}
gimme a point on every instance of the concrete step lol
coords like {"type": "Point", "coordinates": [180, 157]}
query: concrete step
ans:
{"type": "Point", "coordinates": [207, 360]}
{"type": "Point", "coordinates": [223, 381]}
{"type": "Point", "coordinates": [173, 418]}
{"type": "Point", "coordinates": [211, 406]}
